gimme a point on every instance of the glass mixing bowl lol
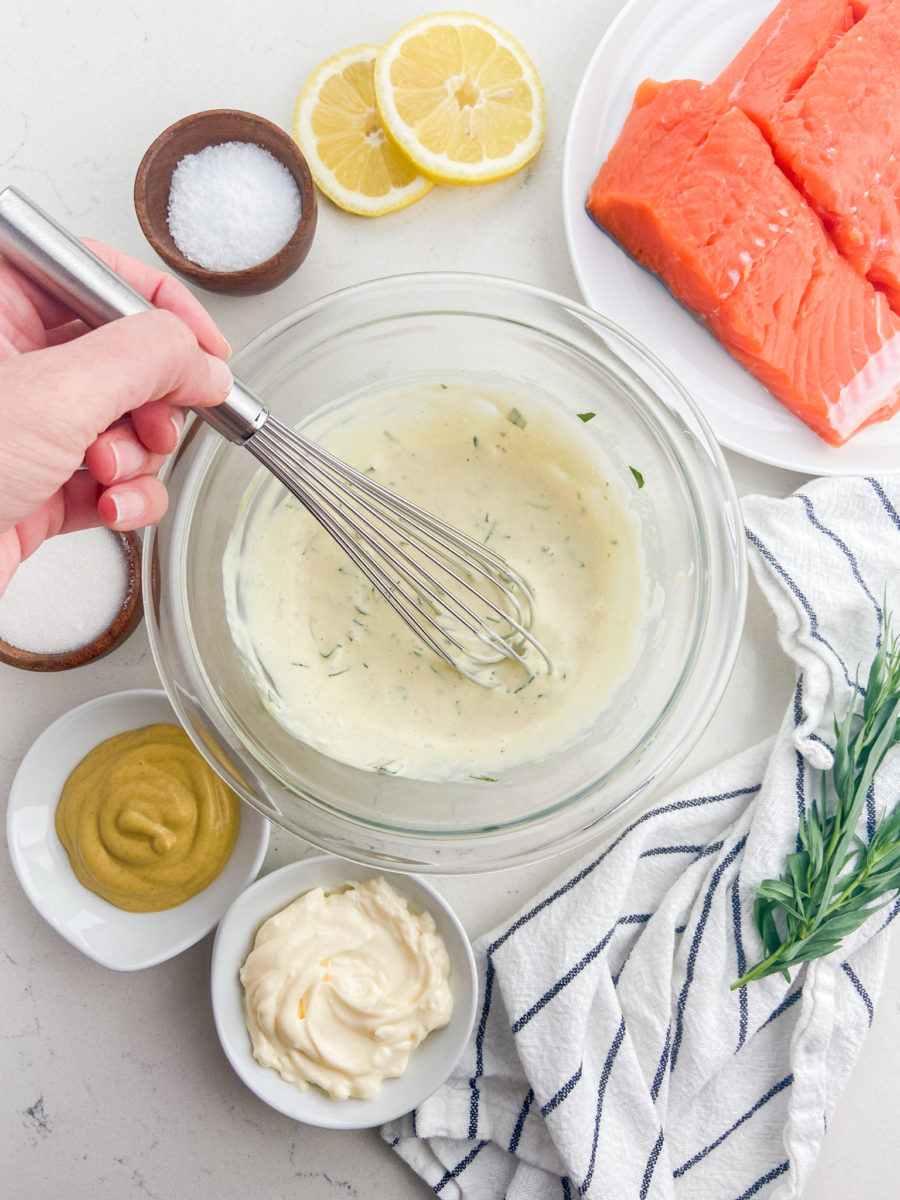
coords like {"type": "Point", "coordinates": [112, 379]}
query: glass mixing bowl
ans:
{"type": "Point", "coordinates": [395, 333]}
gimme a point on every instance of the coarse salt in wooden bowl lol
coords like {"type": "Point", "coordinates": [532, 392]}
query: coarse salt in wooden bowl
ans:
{"type": "Point", "coordinates": [72, 605]}
{"type": "Point", "coordinates": [190, 136]}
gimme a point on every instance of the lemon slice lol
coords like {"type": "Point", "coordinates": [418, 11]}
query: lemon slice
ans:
{"type": "Point", "coordinates": [337, 127]}
{"type": "Point", "coordinates": [460, 97]}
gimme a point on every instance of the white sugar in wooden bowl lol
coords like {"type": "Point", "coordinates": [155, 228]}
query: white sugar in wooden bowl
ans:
{"type": "Point", "coordinates": [75, 599]}
{"type": "Point", "coordinates": [232, 205]}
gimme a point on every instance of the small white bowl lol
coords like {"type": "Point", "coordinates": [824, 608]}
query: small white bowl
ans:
{"type": "Point", "coordinates": [430, 1063]}
{"type": "Point", "coordinates": [123, 941]}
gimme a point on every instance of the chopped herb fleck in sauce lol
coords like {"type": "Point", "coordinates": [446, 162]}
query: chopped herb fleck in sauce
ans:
{"type": "Point", "coordinates": [544, 484]}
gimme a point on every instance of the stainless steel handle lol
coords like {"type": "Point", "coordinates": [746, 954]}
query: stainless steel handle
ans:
{"type": "Point", "coordinates": [43, 250]}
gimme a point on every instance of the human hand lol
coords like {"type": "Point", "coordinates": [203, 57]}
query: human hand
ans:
{"type": "Point", "coordinates": [110, 397]}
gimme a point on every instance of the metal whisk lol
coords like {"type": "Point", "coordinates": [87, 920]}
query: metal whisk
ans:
{"type": "Point", "coordinates": [463, 601]}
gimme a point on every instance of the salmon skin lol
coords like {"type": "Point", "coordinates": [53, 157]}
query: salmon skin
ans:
{"type": "Point", "coordinates": [838, 138]}
{"type": "Point", "coordinates": [692, 191]}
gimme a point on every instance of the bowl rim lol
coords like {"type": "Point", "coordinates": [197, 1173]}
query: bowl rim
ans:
{"type": "Point", "coordinates": [234, 940]}
{"type": "Point", "coordinates": [720, 524]}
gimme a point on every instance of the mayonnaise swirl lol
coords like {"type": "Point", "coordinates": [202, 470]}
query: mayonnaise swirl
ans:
{"type": "Point", "coordinates": [342, 985]}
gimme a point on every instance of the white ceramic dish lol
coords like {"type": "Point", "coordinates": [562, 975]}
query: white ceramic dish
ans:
{"type": "Point", "coordinates": [120, 940]}
{"type": "Point", "coordinates": [432, 1061]}
{"type": "Point", "coordinates": [668, 39]}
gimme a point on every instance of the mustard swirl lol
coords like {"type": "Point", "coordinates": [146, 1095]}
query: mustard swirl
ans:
{"type": "Point", "coordinates": [145, 821]}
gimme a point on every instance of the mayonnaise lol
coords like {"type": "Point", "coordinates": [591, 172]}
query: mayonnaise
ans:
{"type": "Point", "coordinates": [342, 985]}
{"type": "Point", "coordinates": [336, 666]}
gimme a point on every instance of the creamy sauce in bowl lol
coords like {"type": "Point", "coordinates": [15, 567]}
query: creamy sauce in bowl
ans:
{"type": "Point", "coordinates": [338, 668]}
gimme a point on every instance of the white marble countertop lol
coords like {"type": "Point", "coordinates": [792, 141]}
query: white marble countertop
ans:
{"type": "Point", "coordinates": [114, 1084]}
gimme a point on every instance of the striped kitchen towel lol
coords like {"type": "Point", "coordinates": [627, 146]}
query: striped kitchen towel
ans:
{"type": "Point", "coordinates": [610, 1057]}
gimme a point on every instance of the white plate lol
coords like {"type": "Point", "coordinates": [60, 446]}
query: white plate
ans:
{"type": "Point", "coordinates": [670, 39]}
{"type": "Point", "coordinates": [120, 940]}
{"type": "Point", "coordinates": [431, 1062]}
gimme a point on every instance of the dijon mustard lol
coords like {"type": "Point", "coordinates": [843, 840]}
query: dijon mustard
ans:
{"type": "Point", "coordinates": [145, 820]}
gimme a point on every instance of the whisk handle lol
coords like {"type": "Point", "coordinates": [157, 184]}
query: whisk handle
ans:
{"type": "Point", "coordinates": [43, 250]}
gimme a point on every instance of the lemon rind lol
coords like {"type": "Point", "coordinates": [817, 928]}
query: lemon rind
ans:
{"type": "Point", "coordinates": [352, 202]}
{"type": "Point", "coordinates": [439, 168]}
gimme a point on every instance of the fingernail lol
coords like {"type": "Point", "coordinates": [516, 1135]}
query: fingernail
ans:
{"type": "Point", "coordinates": [177, 422]}
{"type": "Point", "coordinates": [219, 374]}
{"type": "Point", "coordinates": [129, 459]}
{"type": "Point", "coordinates": [129, 505]}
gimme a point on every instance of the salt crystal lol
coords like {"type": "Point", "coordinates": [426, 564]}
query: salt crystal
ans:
{"type": "Point", "coordinates": [66, 594]}
{"type": "Point", "coordinates": [231, 206]}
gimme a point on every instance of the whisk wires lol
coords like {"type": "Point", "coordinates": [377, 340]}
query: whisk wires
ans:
{"type": "Point", "coordinates": [466, 603]}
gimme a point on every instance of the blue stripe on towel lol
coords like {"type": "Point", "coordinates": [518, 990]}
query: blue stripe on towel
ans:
{"type": "Point", "coordinates": [844, 549]}
{"type": "Point", "coordinates": [574, 972]}
{"type": "Point", "coordinates": [710, 849]}
{"type": "Point", "coordinates": [795, 591]}
{"type": "Point", "coordinates": [672, 850]}
{"type": "Point", "coordinates": [520, 1121]}
{"type": "Point", "coordinates": [662, 1065]}
{"type": "Point", "coordinates": [892, 912]}
{"type": "Point", "coordinates": [763, 1180]}
{"type": "Point", "coordinates": [601, 1093]}
{"type": "Point", "coordinates": [595, 951]}
{"type": "Point", "coordinates": [651, 1163]}
{"type": "Point", "coordinates": [859, 989]}
{"type": "Point", "coordinates": [460, 1166]}
{"type": "Point", "coordinates": [882, 496]}
{"type": "Point", "coordinates": [634, 919]}
{"type": "Point", "coordinates": [788, 1002]}
{"type": "Point", "coordinates": [695, 945]}
{"type": "Point", "coordinates": [871, 811]}
{"type": "Point", "coordinates": [741, 959]}
{"type": "Point", "coordinates": [763, 1100]}
{"type": "Point", "coordinates": [556, 1100]}
{"type": "Point", "coordinates": [800, 782]}
{"type": "Point", "coordinates": [479, 1045]}
{"type": "Point", "coordinates": [663, 810]}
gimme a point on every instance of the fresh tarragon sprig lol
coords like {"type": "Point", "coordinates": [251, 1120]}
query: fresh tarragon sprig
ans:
{"type": "Point", "coordinates": [836, 880]}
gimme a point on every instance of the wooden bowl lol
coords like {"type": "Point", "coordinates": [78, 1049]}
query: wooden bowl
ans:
{"type": "Point", "coordinates": [189, 136]}
{"type": "Point", "coordinates": [124, 623]}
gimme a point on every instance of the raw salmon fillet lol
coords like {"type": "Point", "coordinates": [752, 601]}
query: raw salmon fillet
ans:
{"type": "Point", "coordinates": [839, 141]}
{"type": "Point", "coordinates": [692, 192]}
{"type": "Point", "coordinates": [781, 55]}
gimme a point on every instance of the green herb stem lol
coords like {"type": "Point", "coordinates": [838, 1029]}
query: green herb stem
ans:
{"type": "Point", "coordinates": [836, 881]}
